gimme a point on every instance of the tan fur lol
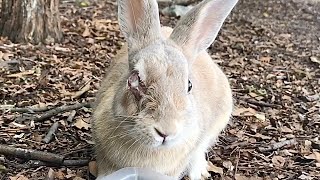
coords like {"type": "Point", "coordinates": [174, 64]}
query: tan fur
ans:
{"type": "Point", "coordinates": [123, 128]}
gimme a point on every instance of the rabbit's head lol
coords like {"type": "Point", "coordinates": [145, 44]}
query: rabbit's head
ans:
{"type": "Point", "coordinates": [158, 96]}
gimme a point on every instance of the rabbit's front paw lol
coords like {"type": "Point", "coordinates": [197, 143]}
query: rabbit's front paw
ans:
{"type": "Point", "coordinates": [198, 169]}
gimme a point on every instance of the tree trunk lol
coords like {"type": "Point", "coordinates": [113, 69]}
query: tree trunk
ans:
{"type": "Point", "coordinates": [33, 21]}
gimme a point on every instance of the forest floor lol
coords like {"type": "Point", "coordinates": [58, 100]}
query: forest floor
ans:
{"type": "Point", "coordinates": [270, 50]}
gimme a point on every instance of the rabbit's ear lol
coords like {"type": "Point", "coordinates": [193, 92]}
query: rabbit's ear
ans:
{"type": "Point", "coordinates": [139, 22]}
{"type": "Point", "coordinates": [197, 30]}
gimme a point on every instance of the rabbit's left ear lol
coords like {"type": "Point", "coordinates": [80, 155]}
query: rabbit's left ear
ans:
{"type": "Point", "coordinates": [139, 22]}
{"type": "Point", "coordinates": [197, 30]}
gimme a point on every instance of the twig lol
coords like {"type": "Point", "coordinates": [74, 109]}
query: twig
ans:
{"type": "Point", "coordinates": [261, 104]}
{"type": "Point", "coordinates": [78, 162]}
{"type": "Point", "coordinates": [37, 163]}
{"type": "Point", "coordinates": [60, 109]}
{"type": "Point", "coordinates": [68, 163]}
{"type": "Point", "coordinates": [237, 163]}
{"type": "Point", "coordinates": [71, 116]}
{"type": "Point", "coordinates": [31, 154]}
{"type": "Point", "coordinates": [29, 109]}
{"type": "Point", "coordinates": [82, 90]}
{"type": "Point", "coordinates": [238, 144]}
{"type": "Point", "coordinates": [277, 145]}
{"type": "Point", "coordinates": [50, 133]}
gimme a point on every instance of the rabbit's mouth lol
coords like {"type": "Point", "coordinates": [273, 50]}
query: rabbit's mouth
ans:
{"type": "Point", "coordinates": [161, 140]}
{"type": "Point", "coordinates": [167, 144]}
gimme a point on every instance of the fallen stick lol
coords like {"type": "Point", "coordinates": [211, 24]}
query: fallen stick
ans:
{"type": "Point", "coordinates": [260, 103]}
{"type": "Point", "coordinates": [31, 154]}
{"type": "Point", "coordinates": [37, 163]}
{"type": "Point", "coordinates": [277, 145]}
{"type": "Point", "coordinates": [51, 132]}
{"type": "Point", "coordinates": [68, 163]}
{"type": "Point", "coordinates": [71, 116]}
{"type": "Point", "coordinates": [75, 162]}
{"type": "Point", "coordinates": [28, 109]}
{"type": "Point", "coordinates": [82, 90]}
{"type": "Point", "coordinates": [238, 144]}
{"type": "Point", "coordinates": [60, 109]}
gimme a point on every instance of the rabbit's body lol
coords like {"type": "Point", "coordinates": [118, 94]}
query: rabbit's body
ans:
{"type": "Point", "coordinates": [146, 115]}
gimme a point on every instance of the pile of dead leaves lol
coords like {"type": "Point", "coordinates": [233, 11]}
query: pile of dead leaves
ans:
{"type": "Point", "coordinates": [269, 50]}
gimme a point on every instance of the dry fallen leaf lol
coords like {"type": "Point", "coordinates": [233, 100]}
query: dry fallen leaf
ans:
{"type": "Point", "coordinates": [228, 165]}
{"type": "Point", "coordinates": [255, 54]}
{"type": "Point", "coordinates": [305, 177]}
{"type": "Point", "coordinates": [249, 112]}
{"type": "Point", "coordinates": [244, 112]}
{"type": "Point", "coordinates": [14, 124]}
{"type": "Point", "coordinates": [81, 91]}
{"type": "Point", "coordinates": [315, 59]}
{"type": "Point", "coordinates": [21, 74]}
{"type": "Point", "coordinates": [6, 107]}
{"type": "Point", "coordinates": [242, 177]}
{"type": "Point", "coordinates": [18, 136]}
{"type": "Point", "coordinates": [18, 177]}
{"type": "Point", "coordinates": [314, 156]}
{"type": "Point", "coordinates": [50, 175]}
{"type": "Point", "coordinates": [262, 136]}
{"type": "Point", "coordinates": [86, 32]}
{"type": "Point", "coordinates": [80, 123]}
{"type": "Point", "coordinates": [265, 59]}
{"type": "Point", "coordinates": [261, 117]}
{"type": "Point", "coordinates": [63, 49]}
{"type": "Point", "coordinates": [285, 129]}
{"type": "Point", "coordinates": [278, 161]}
{"type": "Point", "coordinates": [213, 168]}
{"type": "Point", "coordinates": [2, 168]}
{"type": "Point", "coordinates": [78, 178]}
{"type": "Point", "coordinates": [93, 168]}
{"type": "Point", "coordinates": [5, 56]}
{"type": "Point", "coordinates": [60, 175]}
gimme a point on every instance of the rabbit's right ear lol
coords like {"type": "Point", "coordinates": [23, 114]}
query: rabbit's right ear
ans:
{"type": "Point", "coordinates": [139, 22]}
{"type": "Point", "coordinates": [197, 30]}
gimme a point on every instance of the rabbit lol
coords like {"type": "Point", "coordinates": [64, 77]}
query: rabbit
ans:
{"type": "Point", "coordinates": [163, 102]}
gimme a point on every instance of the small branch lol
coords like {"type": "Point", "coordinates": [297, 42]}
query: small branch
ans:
{"type": "Point", "coordinates": [37, 163]}
{"type": "Point", "coordinates": [237, 163]}
{"type": "Point", "coordinates": [260, 103]}
{"type": "Point", "coordinates": [31, 154]}
{"type": "Point", "coordinates": [78, 162]}
{"type": "Point", "coordinates": [50, 133]}
{"type": "Point", "coordinates": [68, 163]}
{"type": "Point", "coordinates": [60, 109]}
{"type": "Point", "coordinates": [277, 145]}
{"type": "Point", "coordinates": [82, 90]}
{"type": "Point", "coordinates": [238, 144]}
{"type": "Point", "coordinates": [71, 116]}
{"type": "Point", "coordinates": [28, 109]}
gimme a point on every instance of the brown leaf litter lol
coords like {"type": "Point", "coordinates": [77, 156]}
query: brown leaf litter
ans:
{"type": "Point", "coordinates": [269, 50]}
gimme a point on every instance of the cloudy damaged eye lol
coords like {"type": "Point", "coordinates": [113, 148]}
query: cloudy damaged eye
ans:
{"type": "Point", "coordinates": [189, 85]}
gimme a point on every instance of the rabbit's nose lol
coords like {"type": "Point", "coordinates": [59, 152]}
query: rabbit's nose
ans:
{"type": "Point", "coordinates": [161, 134]}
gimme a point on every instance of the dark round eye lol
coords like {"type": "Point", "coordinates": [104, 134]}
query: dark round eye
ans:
{"type": "Point", "coordinates": [189, 85]}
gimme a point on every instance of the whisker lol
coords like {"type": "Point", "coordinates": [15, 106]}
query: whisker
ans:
{"type": "Point", "coordinates": [122, 127]}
